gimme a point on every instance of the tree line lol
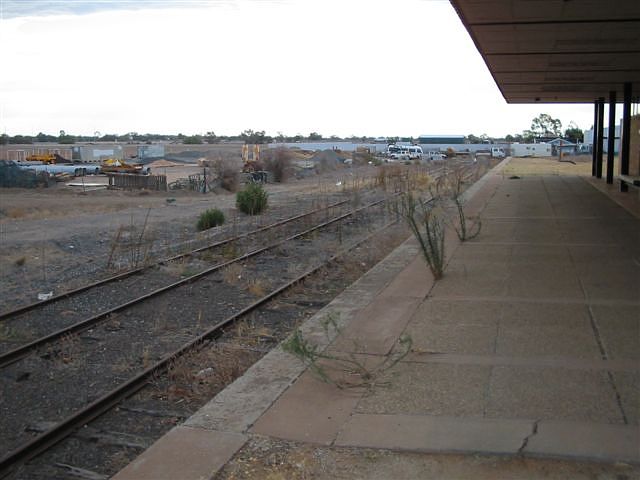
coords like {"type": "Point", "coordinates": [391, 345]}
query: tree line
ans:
{"type": "Point", "coordinates": [542, 127]}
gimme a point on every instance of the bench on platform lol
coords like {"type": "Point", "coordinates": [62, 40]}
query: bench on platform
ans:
{"type": "Point", "coordinates": [629, 181]}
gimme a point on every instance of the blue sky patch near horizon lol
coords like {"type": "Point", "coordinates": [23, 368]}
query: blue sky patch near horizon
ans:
{"type": "Point", "coordinates": [28, 8]}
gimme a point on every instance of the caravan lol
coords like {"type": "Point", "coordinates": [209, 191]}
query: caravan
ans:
{"type": "Point", "coordinates": [531, 150]}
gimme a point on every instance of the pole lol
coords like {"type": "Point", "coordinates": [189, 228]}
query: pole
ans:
{"type": "Point", "coordinates": [626, 134]}
{"type": "Point", "coordinates": [594, 143]}
{"type": "Point", "coordinates": [600, 137]}
{"type": "Point", "coordinates": [611, 140]}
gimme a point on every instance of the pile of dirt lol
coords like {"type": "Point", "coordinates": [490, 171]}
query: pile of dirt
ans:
{"type": "Point", "coordinates": [163, 163]}
{"type": "Point", "coordinates": [325, 161]}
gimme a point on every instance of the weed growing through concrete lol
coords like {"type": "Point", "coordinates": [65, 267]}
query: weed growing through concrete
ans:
{"type": "Point", "coordinates": [456, 188]}
{"type": "Point", "coordinates": [319, 362]}
{"type": "Point", "coordinates": [427, 225]}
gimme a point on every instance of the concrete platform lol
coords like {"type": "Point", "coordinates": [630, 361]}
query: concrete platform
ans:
{"type": "Point", "coordinates": [528, 346]}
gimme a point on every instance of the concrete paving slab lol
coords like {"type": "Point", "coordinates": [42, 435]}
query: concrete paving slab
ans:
{"type": "Point", "coordinates": [619, 329]}
{"type": "Point", "coordinates": [425, 433]}
{"type": "Point", "coordinates": [472, 280]}
{"type": "Point", "coordinates": [546, 330]}
{"type": "Point", "coordinates": [470, 252]}
{"type": "Point", "coordinates": [552, 394]}
{"type": "Point", "coordinates": [414, 281]}
{"type": "Point", "coordinates": [609, 443]}
{"type": "Point", "coordinates": [429, 389]}
{"type": "Point", "coordinates": [376, 328]}
{"type": "Point", "coordinates": [543, 282]}
{"type": "Point", "coordinates": [540, 255]}
{"type": "Point", "coordinates": [611, 283]}
{"type": "Point", "coordinates": [309, 411]}
{"type": "Point", "coordinates": [569, 363]}
{"type": "Point", "coordinates": [537, 231]}
{"type": "Point", "coordinates": [496, 230]}
{"type": "Point", "coordinates": [184, 453]}
{"type": "Point", "coordinates": [455, 327]}
{"type": "Point", "coordinates": [628, 387]}
{"type": "Point", "coordinates": [576, 230]}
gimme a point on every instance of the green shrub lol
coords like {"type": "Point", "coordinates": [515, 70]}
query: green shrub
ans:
{"type": "Point", "coordinates": [252, 200]}
{"type": "Point", "coordinates": [209, 219]}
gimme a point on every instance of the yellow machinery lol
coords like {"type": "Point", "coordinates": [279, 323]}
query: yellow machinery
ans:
{"type": "Point", "coordinates": [114, 165]}
{"type": "Point", "coordinates": [46, 158]}
{"type": "Point", "coordinates": [251, 164]}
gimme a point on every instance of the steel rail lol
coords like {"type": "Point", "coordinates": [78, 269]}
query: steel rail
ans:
{"type": "Point", "coordinates": [11, 356]}
{"type": "Point", "coordinates": [69, 425]}
{"type": "Point", "coordinates": [12, 313]}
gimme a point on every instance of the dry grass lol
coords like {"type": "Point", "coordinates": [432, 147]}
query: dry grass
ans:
{"type": "Point", "coordinates": [547, 166]}
{"type": "Point", "coordinates": [201, 374]}
{"type": "Point", "coordinates": [233, 274]}
{"type": "Point", "coordinates": [257, 287]}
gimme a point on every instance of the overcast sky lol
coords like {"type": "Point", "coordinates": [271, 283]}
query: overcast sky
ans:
{"type": "Point", "coordinates": [337, 67]}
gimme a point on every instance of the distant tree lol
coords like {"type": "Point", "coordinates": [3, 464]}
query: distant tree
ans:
{"type": "Point", "coordinates": [211, 137]}
{"type": "Point", "coordinates": [4, 139]}
{"type": "Point", "coordinates": [192, 140]}
{"type": "Point", "coordinates": [471, 138]}
{"type": "Point", "coordinates": [314, 136]}
{"type": "Point", "coordinates": [544, 125]}
{"type": "Point", "coordinates": [251, 137]}
{"type": "Point", "coordinates": [43, 137]}
{"type": "Point", "coordinates": [393, 140]}
{"type": "Point", "coordinates": [509, 138]}
{"type": "Point", "coordinates": [108, 138]}
{"type": "Point", "coordinates": [573, 133]}
{"type": "Point", "coordinates": [21, 140]}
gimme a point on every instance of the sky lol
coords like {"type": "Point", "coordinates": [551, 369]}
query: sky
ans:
{"type": "Point", "coordinates": [336, 67]}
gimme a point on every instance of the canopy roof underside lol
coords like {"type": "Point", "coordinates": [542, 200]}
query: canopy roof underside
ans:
{"type": "Point", "coordinates": [556, 51]}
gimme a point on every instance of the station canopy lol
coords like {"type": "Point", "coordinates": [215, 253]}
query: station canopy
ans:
{"type": "Point", "coordinates": [556, 51]}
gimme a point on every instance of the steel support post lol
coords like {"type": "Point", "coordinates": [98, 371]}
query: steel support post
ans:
{"type": "Point", "coordinates": [594, 144]}
{"type": "Point", "coordinates": [626, 134]}
{"type": "Point", "coordinates": [600, 146]}
{"type": "Point", "coordinates": [611, 139]}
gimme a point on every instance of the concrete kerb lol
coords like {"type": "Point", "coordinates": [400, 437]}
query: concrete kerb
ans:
{"type": "Point", "coordinates": [233, 411]}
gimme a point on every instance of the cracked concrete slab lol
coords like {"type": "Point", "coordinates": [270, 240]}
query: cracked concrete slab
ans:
{"type": "Point", "coordinates": [619, 328]}
{"type": "Point", "coordinates": [546, 330]}
{"type": "Point", "coordinates": [552, 394]}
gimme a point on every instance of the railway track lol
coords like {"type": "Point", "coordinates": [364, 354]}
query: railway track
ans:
{"type": "Point", "coordinates": [106, 401]}
{"type": "Point", "coordinates": [10, 356]}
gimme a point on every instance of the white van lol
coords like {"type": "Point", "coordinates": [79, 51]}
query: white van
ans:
{"type": "Point", "coordinates": [398, 152]}
{"type": "Point", "coordinates": [415, 152]}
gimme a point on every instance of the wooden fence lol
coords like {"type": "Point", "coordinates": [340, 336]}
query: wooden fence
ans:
{"type": "Point", "coordinates": [130, 181]}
